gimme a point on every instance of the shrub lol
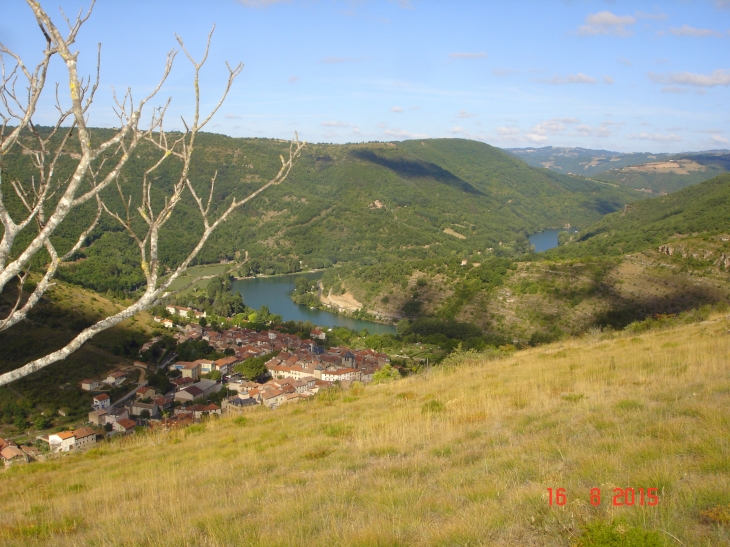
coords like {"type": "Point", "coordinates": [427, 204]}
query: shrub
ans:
{"type": "Point", "coordinates": [601, 534]}
{"type": "Point", "coordinates": [433, 406]}
{"type": "Point", "coordinates": [240, 421]}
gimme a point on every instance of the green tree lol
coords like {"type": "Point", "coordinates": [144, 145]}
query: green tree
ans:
{"type": "Point", "coordinates": [386, 374]}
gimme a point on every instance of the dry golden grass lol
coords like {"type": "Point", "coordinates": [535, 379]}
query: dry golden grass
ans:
{"type": "Point", "coordinates": [462, 456]}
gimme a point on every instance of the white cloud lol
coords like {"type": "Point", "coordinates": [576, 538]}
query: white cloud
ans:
{"type": "Point", "coordinates": [233, 116]}
{"type": "Point", "coordinates": [720, 140]}
{"type": "Point", "coordinates": [466, 55]}
{"type": "Point", "coordinates": [465, 114]}
{"type": "Point", "coordinates": [539, 133]}
{"type": "Point", "coordinates": [501, 72]}
{"type": "Point", "coordinates": [579, 78]}
{"type": "Point", "coordinates": [652, 16]}
{"type": "Point", "coordinates": [607, 79]}
{"type": "Point", "coordinates": [509, 133]}
{"type": "Point", "coordinates": [334, 124]}
{"type": "Point", "coordinates": [293, 79]}
{"type": "Point", "coordinates": [457, 129]}
{"type": "Point", "coordinates": [720, 4]}
{"type": "Point", "coordinates": [624, 61]}
{"type": "Point", "coordinates": [605, 22]}
{"type": "Point", "coordinates": [261, 3]}
{"type": "Point", "coordinates": [656, 137]}
{"type": "Point", "coordinates": [402, 134]}
{"type": "Point", "coordinates": [674, 89]}
{"type": "Point", "coordinates": [718, 77]}
{"type": "Point", "coordinates": [397, 109]}
{"type": "Point", "coordinates": [686, 30]}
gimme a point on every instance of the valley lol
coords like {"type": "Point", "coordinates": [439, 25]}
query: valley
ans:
{"type": "Point", "coordinates": [462, 454]}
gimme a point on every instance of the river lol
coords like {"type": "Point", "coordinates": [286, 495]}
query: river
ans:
{"type": "Point", "coordinates": [547, 239]}
{"type": "Point", "coordinates": [275, 292]}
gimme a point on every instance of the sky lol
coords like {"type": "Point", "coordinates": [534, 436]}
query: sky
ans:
{"type": "Point", "coordinates": [614, 75]}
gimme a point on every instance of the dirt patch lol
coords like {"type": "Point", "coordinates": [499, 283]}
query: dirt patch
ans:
{"type": "Point", "coordinates": [454, 233]}
{"type": "Point", "coordinates": [344, 301]}
{"type": "Point", "coordinates": [679, 167]}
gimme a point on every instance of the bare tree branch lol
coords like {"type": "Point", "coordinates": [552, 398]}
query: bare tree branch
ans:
{"type": "Point", "coordinates": [47, 199]}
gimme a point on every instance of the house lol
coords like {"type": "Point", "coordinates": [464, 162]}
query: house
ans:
{"type": "Point", "coordinates": [138, 408]}
{"type": "Point", "coordinates": [180, 383]}
{"type": "Point", "coordinates": [273, 398]}
{"type": "Point", "coordinates": [318, 334]}
{"type": "Point", "coordinates": [146, 392]}
{"type": "Point", "coordinates": [168, 323]}
{"type": "Point", "coordinates": [64, 441]}
{"type": "Point", "coordinates": [124, 426]}
{"type": "Point", "coordinates": [12, 454]}
{"type": "Point", "coordinates": [189, 369]}
{"type": "Point", "coordinates": [113, 415]}
{"type": "Point", "coordinates": [85, 437]}
{"type": "Point", "coordinates": [116, 378]}
{"type": "Point", "coordinates": [348, 359]}
{"type": "Point", "coordinates": [101, 401]}
{"type": "Point", "coordinates": [238, 405]}
{"type": "Point", "coordinates": [162, 402]}
{"type": "Point", "coordinates": [200, 411]}
{"type": "Point", "coordinates": [226, 364]}
{"type": "Point", "coordinates": [188, 394]}
{"type": "Point", "coordinates": [97, 417]}
{"type": "Point", "coordinates": [206, 366]}
{"type": "Point", "coordinates": [341, 374]}
{"type": "Point", "coordinates": [90, 385]}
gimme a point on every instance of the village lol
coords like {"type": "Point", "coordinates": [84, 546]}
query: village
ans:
{"type": "Point", "coordinates": [296, 370]}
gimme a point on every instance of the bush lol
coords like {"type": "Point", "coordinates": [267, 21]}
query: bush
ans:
{"type": "Point", "coordinates": [433, 406]}
{"type": "Point", "coordinates": [600, 534]}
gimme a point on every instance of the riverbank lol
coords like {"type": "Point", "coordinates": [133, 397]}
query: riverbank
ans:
{"type": "Point", "coordinates": [275, 292]}
{"type": "Point", "coordinates": [346, 304]}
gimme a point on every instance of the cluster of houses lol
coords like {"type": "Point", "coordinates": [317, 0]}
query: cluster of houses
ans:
{"type": "Point", "coordinates": [300, 369]}
{"type": "Point", "coordinates": [11, 453]}
{"type": "Point", "coordinates": [180, 311]}
{"type": "Point", "coordinates": [113, 379]}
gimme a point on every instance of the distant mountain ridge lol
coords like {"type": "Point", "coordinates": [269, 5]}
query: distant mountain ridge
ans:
{"type": "Point", "coordinates": [652, 173]}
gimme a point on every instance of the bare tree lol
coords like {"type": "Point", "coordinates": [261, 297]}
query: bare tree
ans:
{"type": "Point", "coordinates": [47, 198]}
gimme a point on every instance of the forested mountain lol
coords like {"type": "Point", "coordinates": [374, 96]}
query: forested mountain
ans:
{"type": "Point", "coordinates": [363, 203]}
{"type": "Point", "coordinates": [704, 208]}
{"type": "Point", "coordinates": [662, 255]}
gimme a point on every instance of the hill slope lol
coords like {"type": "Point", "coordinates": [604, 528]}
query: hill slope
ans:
{"type": "Point", "coordinates": [704, 208]}
{"type": "Point", "coordinates": [461, 456]}
{"type": "Point", "coordinates": [369, 203]}
{"type": "Point", "coordinates": [659, 255]}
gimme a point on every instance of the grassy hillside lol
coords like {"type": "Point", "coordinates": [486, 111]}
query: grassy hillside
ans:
{"type": "Point", "coordinates": [367, 203]}
{"type": "Point", "coordinates": [463, 455]}
{"type": "Point", "coordinates": [704, 208]}
{"type": "Point", "coordinates": [63, 312]}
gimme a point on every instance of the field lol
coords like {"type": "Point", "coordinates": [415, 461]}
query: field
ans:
{"type": "Point", "coordinates": [463, 455]}
{"type": "Point", "coordinates": [680, 167]}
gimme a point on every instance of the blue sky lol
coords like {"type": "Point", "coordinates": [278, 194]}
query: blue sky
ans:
{"type": "Point", "coordinates": [625, 76]}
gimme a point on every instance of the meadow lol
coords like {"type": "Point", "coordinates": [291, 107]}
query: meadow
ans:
{"type": "Point", "coordinates": [463, 454]}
